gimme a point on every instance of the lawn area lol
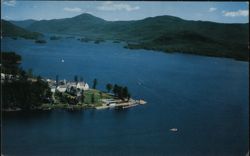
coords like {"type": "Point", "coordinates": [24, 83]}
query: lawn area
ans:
{"type": "Point", "coordinates": [98, 95]}
{"type": "Point", "coordinates": [88, 100]}
{"type": "Point", "coordinates": [66, 106]}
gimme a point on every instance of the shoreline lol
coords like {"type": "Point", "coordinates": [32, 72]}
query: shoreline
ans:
{"type": "Point", "coordinates": [186, 52]}
{"type": "Point", "coordinates": [116, 104]}
{"type": "Point", "coordinates": [157, 49]}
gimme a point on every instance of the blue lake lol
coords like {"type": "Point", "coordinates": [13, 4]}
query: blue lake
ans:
{"type": "Point", "coordinates": [206, 98]}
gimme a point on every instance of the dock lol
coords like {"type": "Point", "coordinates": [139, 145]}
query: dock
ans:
{"type": "Point", "coordinates": [102, 107]}
{"type": "Point", "coordinates": [112, 103]}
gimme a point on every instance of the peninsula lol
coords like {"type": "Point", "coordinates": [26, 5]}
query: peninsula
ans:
{"type": "Point", "coordinates": [76, 95]}
{"type": "Point", "coordinates": [36, 93]}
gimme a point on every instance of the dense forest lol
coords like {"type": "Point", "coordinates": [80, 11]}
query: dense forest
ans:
{"type": "Point", "coordinates": [20, 89]}
{"type": "Point", "coordinates": [11, 30]}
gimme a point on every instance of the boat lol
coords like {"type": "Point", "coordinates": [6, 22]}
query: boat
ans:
{"type": "Point", "coordinates": [173, 129]}
{"type": "Point", "coordinates": [139, 82]}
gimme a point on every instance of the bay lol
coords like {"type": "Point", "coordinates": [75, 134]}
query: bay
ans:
{"type": "Point", "coordinates": [206, 98]}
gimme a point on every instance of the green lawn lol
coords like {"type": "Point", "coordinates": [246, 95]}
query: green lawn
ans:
{"type": "Point", "coordinates": [98, 95]}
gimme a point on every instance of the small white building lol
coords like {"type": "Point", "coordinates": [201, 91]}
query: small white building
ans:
{"type": "Point", "coordinates": [48, 80]}
{"type": "Point", "coordinates": [61, 88]}
{"type": "Point", "coordinates": [53, 89]}
{"type": "Point", "coordinates": [2, 76]}
{"type": "Point", "coordinates": [71, 84]}
{"type": "Point", "coordinates": [112, 105]}
{"type": "Point", "coordinates": [82, 85]}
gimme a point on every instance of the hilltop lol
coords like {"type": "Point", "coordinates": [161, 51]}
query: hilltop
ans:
{"type": "Point", "coordinates": [23, 24]}
{"type": "Point", "coordinates": [11, 30]}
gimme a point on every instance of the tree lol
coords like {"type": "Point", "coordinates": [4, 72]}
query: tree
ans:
{"type": "Point", "coordinates": [129, 96]}
{"type": "Point", "coordinates": [115, 89]}
{"type": "Point", "coordinates": [73, 90]}
{"type": "Point", "coordinates": [25, 94]}
{"type": "Point", "coordinates": [93, 98]}
{"type": "Point", "coordinates": [48, 93]}
{"type": "Point", "coordinates": [9, 63]}
{"type": "Point", "coordinates": [82, 97]}
{"type": "Point", "coordinates": [39, 78]}
{"type": "Point", "coordinates": [125, 92]}
{"type": "Point", "coordinates": [109, 87]}
{"type": "Point", "coordinates": [23, 76]}
{"type": "Point", "coordinates": [120, 92]}
{"type": "Point", "coordinates": [94, 83]}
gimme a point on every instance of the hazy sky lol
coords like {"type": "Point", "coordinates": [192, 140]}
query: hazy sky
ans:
{"type": "Point", "coordinates": [224, 12]}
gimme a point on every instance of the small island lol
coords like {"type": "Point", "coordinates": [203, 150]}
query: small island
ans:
{"type": "Point", "coordinates": [99, 40]}
{"type": "Point", "coordinates": [86, 40]}
{"type": "Point", "coordinates": [40, 41]}
{"type": "Point", "coordinates": [32, 92]}
{"type": "Point", "coordinates": [55, 38]}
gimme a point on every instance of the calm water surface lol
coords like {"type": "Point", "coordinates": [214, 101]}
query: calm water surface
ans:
{"type": "Point", "coordinates": [206, 98]}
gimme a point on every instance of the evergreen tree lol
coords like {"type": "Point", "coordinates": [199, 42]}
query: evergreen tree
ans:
{"type": "Point", "coordinates": [129, 96]}
{"type": "Point", "coordinates": [120, 92]}
{"type": "Point", "coordinates": [115, 89]}
{"type": "Point", "coordinates": [109, 87]}
{"type": "Point", "coordinates": [94, 83]}
{"type": "Point", "coordinates": [82, 97]}
{"type": "Point", "coordinates": [125, 92]}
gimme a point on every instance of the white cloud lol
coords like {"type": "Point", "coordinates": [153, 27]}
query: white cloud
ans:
{"type": "Point", "coordinates": [11, 3]}
{"type": "Point", "coordinates": [110, 6]}
{"type": "Point", "coordinates": [236, 13]}
{"type": "Point", "coordinates": [212, 9]}
{"type": "Point", "coordinates": [76, 9]}
{"type": "Point", "coordinates": [7, 17]}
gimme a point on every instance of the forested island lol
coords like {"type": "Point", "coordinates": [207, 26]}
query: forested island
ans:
{"type": "Point", "coordinates": [40, 41]}
{"type": "Point", "coordinates": [21, 90]}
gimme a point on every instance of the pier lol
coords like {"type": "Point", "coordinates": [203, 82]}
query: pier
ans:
{"type": "Point", "coordinates": [112, 103]}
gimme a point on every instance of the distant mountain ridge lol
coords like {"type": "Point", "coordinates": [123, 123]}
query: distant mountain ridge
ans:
{"type": "Point", "coordinates": [11, 30]}
{"type": "Point", "coordinates": [23, 24]}
{"type": "Point", "coordinates": [164, 33]}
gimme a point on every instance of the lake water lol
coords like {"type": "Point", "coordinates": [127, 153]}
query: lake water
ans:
{"type": "Point", "coordinates": [206, 98]}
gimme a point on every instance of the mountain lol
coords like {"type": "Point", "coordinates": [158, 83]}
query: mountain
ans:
{"type": "Point", "coordinates": [11, 30]}
{"type": "Point", "coordinates": [82, 24]}
{"type": "Point", "coordinates": [24, 23]}
{"type": "Point", "coordinates": [164, 33]}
